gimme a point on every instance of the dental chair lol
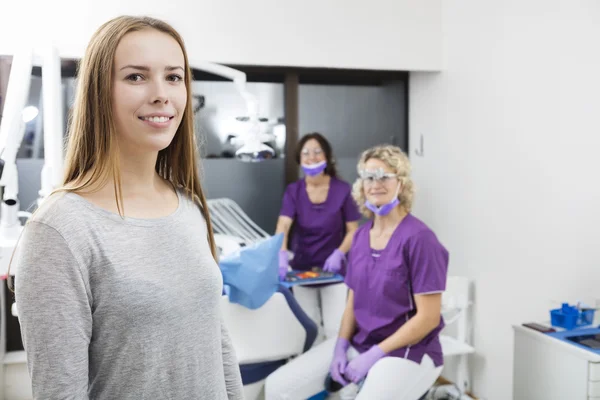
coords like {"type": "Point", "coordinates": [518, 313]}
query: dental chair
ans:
{"type": "Point", "coordinates": [265, 338]}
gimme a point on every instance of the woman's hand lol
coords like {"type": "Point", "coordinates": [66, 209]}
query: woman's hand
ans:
{"type": "Point", "coordinates": [358, 368]}
{"type": "Point", "coordinates": [340, 360]}
{"type": "Point", "coordinates": [283, 264]}
{"type": "Point", "coordinates": [334, 262]}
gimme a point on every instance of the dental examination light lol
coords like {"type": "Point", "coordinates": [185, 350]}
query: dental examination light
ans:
{"type": "Point", "coordinates": [253, 149]}
{"type": "Point", "coordinates": [12, 130]}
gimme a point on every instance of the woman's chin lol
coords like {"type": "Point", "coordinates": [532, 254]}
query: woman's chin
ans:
{"type": "Point", "coordinates": [155, 145]}
{"type": "Point", "coordinates": [377, 201]}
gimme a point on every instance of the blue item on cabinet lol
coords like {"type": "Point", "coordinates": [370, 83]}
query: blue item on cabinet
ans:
{"type": "Point", "coordinates": [570, 317]}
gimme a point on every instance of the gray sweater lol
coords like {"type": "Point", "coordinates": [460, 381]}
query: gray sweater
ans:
{"type": "Point", "coordinates": [114, 309]}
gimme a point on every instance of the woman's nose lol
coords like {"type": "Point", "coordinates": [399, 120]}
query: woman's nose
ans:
{"type": "Point", "coordinates": [159, 94]}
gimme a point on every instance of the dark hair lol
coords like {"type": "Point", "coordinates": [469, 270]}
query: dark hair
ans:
{"type": "Point", "coordinates": [325, 146]}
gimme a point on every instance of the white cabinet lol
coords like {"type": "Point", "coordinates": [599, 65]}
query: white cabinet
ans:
{"type": "Point", "coordinates": [546, 368]}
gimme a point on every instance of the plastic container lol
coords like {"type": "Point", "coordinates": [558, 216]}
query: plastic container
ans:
{"type": "Point", "coordinates": [570, 317]}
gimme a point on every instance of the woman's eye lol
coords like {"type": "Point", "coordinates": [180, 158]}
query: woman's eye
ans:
{"type": "Point", "coordinates": [175, 78]}
{"type": "Point", "coordinates": [134, 77]}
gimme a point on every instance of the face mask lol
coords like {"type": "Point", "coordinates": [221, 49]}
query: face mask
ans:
{"type": "Point", "coordinates": [314, 169]}
{"type": "Point", "coordinates": [386, 208]}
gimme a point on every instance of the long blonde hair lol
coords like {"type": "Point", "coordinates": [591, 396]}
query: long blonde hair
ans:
{"type": "Point", "coordinates": [91, 156]}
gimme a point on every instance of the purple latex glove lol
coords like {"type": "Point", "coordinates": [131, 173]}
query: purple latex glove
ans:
{"type": "Point", "coordinates": [334, 262]}
{"type": "Point", "coordinates": [358, 368]}
{"type": "Point", "coordinates": [283, 264]}
{"type": "Point", "coordinates": [338, 365]}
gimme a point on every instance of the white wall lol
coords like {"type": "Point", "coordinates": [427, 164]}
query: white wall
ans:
{"type": "Point", "coordinates": [380, 34]}
{"type": "Point", "coordinates": [509, 177]}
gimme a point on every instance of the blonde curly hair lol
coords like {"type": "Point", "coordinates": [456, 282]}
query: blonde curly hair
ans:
{"type": "Point", "coordinates": [398, 161]}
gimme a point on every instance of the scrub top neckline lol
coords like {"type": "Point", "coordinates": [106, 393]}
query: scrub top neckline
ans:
{"type": "Point", "coordinates": [394, 234]}
{"type": "Point", "coordinates": [304, 186]}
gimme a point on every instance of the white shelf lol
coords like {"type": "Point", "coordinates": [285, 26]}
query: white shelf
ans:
{"type": "Point", "coordinates": [453, 347]}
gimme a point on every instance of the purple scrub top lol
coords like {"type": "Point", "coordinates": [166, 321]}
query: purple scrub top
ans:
{"type": "Point", "coordinates": [318, 229]}
{"type": "Point", "coordinates": [385, 282]}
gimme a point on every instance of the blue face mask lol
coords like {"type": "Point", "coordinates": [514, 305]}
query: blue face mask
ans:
{"type": "Point", "coordinates": [314, 169]}
{"type": "Point", "coordinates": [384, 209]}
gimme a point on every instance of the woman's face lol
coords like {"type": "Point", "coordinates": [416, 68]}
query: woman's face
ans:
{"type": "Point", "coordinates": [311, 153]}
{"type": "Point", "coordinates": [148, 93]}
{"type": "Point", "coordinates": [380, 182]}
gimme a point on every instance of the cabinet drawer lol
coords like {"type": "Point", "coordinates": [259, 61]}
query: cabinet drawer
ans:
{"type": "Point", "coordinates": [594, 389]}
{"type": "Point", "coordinates": [594, 372]}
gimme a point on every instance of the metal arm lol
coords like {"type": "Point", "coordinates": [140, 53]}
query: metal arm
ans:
{"type": "Point", "coordinates": [53, 122]}
{"type": "Point", "coordinates": [253, 149]}
{"type": "Point", "coordinates": [237, 76]}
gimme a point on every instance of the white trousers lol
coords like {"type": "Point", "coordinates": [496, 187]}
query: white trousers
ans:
{"type": "Point", "coordinates": [391, 378]}
{"type": "Point", "coordinates": [325, 306]}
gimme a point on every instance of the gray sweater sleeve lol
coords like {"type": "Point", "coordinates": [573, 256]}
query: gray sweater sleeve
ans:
{"type": "Point", "coordinates": [233, 378]}
{"type": "Point", "coordinates": [55, 314]}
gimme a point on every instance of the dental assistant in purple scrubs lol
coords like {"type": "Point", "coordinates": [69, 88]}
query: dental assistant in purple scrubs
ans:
{"type": "Point", "coordinates": [388, 347]}
{"type": "Point", "coordinates": [324, 217]}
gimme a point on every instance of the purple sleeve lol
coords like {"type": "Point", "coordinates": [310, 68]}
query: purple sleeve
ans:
{"type": "Point", "coordinates": [428, 262]}
{"type": "Point", "coordinates": [288, 205]}
{"type": "Point", "coordinates": [350, 209]}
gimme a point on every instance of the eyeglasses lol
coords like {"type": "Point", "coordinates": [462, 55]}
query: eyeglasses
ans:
{"type": "Point", "coordinates": [370, 177]}
{"type": "Point", "coordinates": [315, 152]}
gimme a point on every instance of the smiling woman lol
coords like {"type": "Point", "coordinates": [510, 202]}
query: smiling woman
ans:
{"type": "Point", "coordinates": [324, 216]}
{"type": "Point", "coordinates": [149, 96]}
{"type": "Point", "coordinates": [98, 318]}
